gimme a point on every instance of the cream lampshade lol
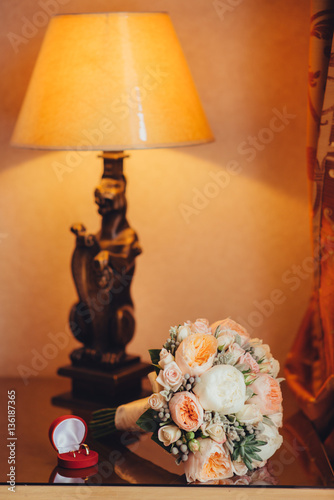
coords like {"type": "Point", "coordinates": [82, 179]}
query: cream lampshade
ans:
{"type": "Point", "coordinates": [110, 82]}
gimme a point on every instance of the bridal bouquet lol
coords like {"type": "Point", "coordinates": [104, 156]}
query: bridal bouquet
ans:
{"type": "Point", "coordinates": [216, 404]}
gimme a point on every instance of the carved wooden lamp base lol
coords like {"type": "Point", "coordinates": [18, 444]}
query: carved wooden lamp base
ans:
{"type": "Point", "coordinates": [99, 387]}
{"type": "Point", "coordinates": [102, 320]}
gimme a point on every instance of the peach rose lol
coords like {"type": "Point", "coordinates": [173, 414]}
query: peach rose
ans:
{"type": "Point", "coordinates": [247, 359]}
{"type": "Point", "coordinates": [268, 395]}
{"type": "Point", "coordinates": [196, 353]}
{"type": "Point", "coordinates": [211, 462]}
{"type": "Point", "coordinates": [202, 325]}
{"type": "Point", "coordinates": [186, 411]}
{"type": "Point", "coordinates": [228, 325]}
{"type": "Point", "coordinates": [171, 377]}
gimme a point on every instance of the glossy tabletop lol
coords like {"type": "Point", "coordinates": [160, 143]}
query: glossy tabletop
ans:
{"type": "Point", "coordinates": [126, 459]}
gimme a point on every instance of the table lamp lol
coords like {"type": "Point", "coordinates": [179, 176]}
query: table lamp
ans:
{"type": "Point", "coordinates": [108, 82]}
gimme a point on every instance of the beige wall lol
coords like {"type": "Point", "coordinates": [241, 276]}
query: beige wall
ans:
{"type": "Point", "coordinates": [249, 64]}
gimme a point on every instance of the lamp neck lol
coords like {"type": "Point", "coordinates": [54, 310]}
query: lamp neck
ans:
{"type": "Point", "coordinates": [110, 195]}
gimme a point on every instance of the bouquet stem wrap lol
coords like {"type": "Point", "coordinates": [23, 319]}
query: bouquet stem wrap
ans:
{"type": "Point", "coordinates": [122, 418]}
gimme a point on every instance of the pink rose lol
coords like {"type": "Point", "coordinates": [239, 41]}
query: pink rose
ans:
{"type": "Point", "coordinates": [248, 360]}
{"type": "Point", "coordinates": [196, 353]}
{"type": "Point", "coordinates": [233, 353]}
{"type": "Point", "coordinates": [186, 411]}
{"type": "Point", "coordinates": [268, 395]}
{"type": "Point", "coordinates": [211, 462]}
{"type": "Point", "coordinates": [202, 325]}
{"type": "Point", "coordinates": [171, 377]}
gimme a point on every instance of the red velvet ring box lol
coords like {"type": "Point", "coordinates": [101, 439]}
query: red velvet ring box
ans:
{"type": "Point", "coordinates": [67, 435]}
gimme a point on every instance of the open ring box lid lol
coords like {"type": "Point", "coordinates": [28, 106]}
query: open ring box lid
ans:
{"type": "Point", "coordinates": [67, 434]}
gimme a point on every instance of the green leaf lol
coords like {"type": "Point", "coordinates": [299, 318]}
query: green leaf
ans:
{"type": "Point", "coordinates": [155, 356]}
{"type": "Point", "coordinates": [148, 421]}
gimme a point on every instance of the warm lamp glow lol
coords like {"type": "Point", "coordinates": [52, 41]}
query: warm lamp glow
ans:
{"type": "Point", "coordinates": [111, 82]}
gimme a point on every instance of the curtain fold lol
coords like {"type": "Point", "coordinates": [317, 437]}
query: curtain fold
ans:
{"type": "Point", "coordinates": [310, 363]}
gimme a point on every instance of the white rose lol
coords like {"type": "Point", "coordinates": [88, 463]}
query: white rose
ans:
{"type": "Point", "coordinates": [156, 401]}
{"type": "Point", "coordinates": [222, 388]}
{"type": "Point", "coordinates": [274, 441]}
{"type": "Point", "coordinates": [226, 339]}
{"type": "Point", "coordinates": [165, 358]}
{"type": "Point", "coordinates": [183, 332]}
{"type": "Point", "coordinates": [168, 434]}
{"type": "Point", "coordinates": [249, 414]}
{"type": "Point", "coordinates": [215, 432]}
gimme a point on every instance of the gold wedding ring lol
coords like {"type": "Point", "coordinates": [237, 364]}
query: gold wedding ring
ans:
{"type": "Point", "coordinates": [86, 447]}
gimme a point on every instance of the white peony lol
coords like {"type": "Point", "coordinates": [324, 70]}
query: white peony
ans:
{"type": "Point", "coordinates": [168, 434]}
{"type": "Point", "coordinates": [249, 415]}
{"type": "Point", "coordinates": [222, 388]}
{"type": "Point", "coordinates": [274, 441]}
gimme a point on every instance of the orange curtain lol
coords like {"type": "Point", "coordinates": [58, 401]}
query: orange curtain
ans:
{"type": "Point", "coordinates": [310, 363]}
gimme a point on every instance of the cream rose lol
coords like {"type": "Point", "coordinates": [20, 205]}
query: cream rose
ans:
{"type": "Point", "coordinates": [268, 395]}
{"type": "Point", "coordinates": [269, 364]}
{"type": "Point", "coordinates": [196, 353]}
{"type": "Point", "coordinates": [183, 332]}
{"type": "Point", "coordinates": [222, 388]}
{"type": "Point", "coordinates": [186, 411]}
{"type": "Point", "coordinates": [165, 358]}
{"type": "Point", "coordinates": [274, 441]}
{"type": "Point", "coordinates": [169, 434]}
{"type": "Point", "coordinates": [239, 467]}
{"type": "Point", "coordinates": [226, 339]}
{"type": "Point", "coordinates": [156, 401]}
{"type": "Point", "coordinates": [215, 432]}
{"type": "Point", "coordinates": [211, 462]}
{"type": "Point", "coordinates": [249, 414]}
{"type": "Point", "coordinates": [171, 377]}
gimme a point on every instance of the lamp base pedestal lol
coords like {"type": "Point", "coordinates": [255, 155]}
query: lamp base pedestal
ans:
{"type": "Point", "coordinates": [121, 385]}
